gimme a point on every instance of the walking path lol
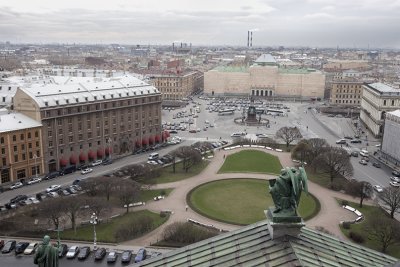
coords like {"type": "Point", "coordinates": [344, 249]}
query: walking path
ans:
{"type": "Point", "coordinates": [329, 216]}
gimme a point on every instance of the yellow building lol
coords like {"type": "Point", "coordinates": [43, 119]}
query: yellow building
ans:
{"type": "Point", "coordinates": [265, 79]}
{"type": "Point", "coordinates": [21, 147]}
{"type": "Point", "coordinates": [346, 93]}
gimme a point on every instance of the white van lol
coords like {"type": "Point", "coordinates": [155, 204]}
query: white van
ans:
{"type": "Point", "coordinates": [364, 153]}
{"type": "Point", "coordinates": [153, 156]}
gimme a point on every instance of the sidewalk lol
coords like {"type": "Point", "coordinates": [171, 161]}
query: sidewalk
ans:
{"type": "Point", "coordinates": [329, 217]}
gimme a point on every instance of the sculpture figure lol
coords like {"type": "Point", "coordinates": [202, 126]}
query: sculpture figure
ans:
{"type": "Point", "coordinates": [46, 254]}
{"type": "Point", "coordinates": [286, 190]}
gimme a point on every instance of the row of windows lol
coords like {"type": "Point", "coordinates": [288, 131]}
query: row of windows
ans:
{"type": "Point", "coordinates": [22, 147]}
{"type": "Point", "coordinates": [348, 96]}
{"type": "Point", "coordinates": [349, 91]}
{"type": "Point", "coordinates": [17, 157]}
{"type": "Point", "coordinates": [21, 137]}
{"type": "Point", "coordinates": [98, 106]}
{"type": "Point", "coordinates": [347, 101]}
{"type": "Point", "coordinates": [347, 86]}
{"type": "Point", "coordinates": [386, 102]}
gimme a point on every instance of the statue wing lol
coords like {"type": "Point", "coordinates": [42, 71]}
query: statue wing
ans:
{"type": "Point", "coordinates": [295, 183]}
{"type": "Point", "coordinates": [304, 179]}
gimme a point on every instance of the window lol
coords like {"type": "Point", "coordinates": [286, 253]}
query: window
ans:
{"type": "Point", "coordinates": [22, 147]}
{"type": "Point", "coordinates": [15, 149]}
{"type": "Point", "coordinates": [3, 151]}
{"type": "Point", "coordinates": [61, 141]}
{"type": "Point", "coordinates": [36, 134]}
{"type": "Point", "coordinates": [49, 133]}
{"type": "Point", "coordinates": [2, 140]}
{"type": "Point", "coordinates": [21, 174]}
{"type": "Point", "coordinates": [22, 136]}
{"type": "Point", "coordinates": [392, 102]}
{"type": "Point", "coordinates": [23, 156]}
{"type": "Point", "coordinates": [50, 143]}
{"type": "Point", "coordinates": [15, 158]}
{"type": "Point", "coordinates": [384, 102]}
{"type": "Point", "coordinates": [14, 138]}
{"type": "Point", "coordinates": [5, 176]}
{"type": "Point", "coordinates": [29, 135]}
{"type": "Point", "coordinates": [30, 155]}
{"type": "Point", "coordinates": [71, 139]}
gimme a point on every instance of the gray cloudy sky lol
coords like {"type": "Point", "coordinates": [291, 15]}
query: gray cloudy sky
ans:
{"type": "Point", "coordinates": [351, 23]}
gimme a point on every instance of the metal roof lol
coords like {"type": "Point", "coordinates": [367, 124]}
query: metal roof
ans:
{"type": "Point", "coordinates": [265, 58]}
{"type": "Point", "coordinates": [63, 90]}
{"type": "Point", "coordinates": [383, 88]}
{"type": "Point", "coordinates": [252, 246]}
{"type": "Point", "coordinates": [16, 121]}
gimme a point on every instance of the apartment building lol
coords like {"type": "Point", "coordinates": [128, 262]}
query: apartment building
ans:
{"type": "Point", "coordinates": [377, 99]}
{"type": "Point", "coordinates": [346, 93]}
{"type": "Point", "coordinates": [21, 147]}
{"type": "Point", "coordinates": [391, 141]}
{"type": "Point", "coordinates": [85, 119]}
{"type": "Point", "coordinates": [177, 86]}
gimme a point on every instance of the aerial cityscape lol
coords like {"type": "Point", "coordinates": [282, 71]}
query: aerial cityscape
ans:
{"type": "Point", "coordinates": [203, 133]}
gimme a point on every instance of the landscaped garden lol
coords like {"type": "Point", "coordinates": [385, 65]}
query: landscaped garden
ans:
{"type": "Point", "coordinates": [251, 161]}
{"type": "Point", "coordinates": [362, 232]}
{"type": "Point", "coordinates": [241, 201]}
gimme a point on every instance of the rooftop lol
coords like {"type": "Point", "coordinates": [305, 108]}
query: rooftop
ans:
{"type": "Point", "coordinates": [395, 113]}
{"type": "Point", "coordinates": [65, 90]}
{"type": "Point", "coordinates": [16, 121]}
{"type": "Point", "coordinates": [266, 59]}
{"type": "Point", "coordinates": [252, 246]}
{"type": "Point", "coordinates": [382, 88]}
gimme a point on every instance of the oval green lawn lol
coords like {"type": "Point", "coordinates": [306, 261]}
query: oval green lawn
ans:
{"type": "Point", "coordinates": [240, 201]}
{"type": "Point", "coordinates": [251, 161]}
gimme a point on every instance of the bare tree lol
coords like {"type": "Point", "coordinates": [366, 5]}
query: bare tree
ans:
{"type": "Point", "coordinates": [72, 209]}
{"type": "Point", "coordinates": [97, 205]}
{"type": "Point", "coordinates": [128, 192]}
{"type": "Point", "coordinates": [334, 161]}
{"type": "Point", "coordinates": [190, 157]}
{"type": "Point", "coordinates": [361, 189]}
{"type": "Point", "coordinates": [106, 185]}
{"type": "Point", "coordinates": [53, 210]}
{"type": "Point", "coordinates": [383, 230]}
{"type": "Point", "coordinates": [288, 134]}
{"type": "Point", "coordinates": [90, 186]}
{"type": "Point", "coordinates": [391, 197]}
{"type": "Point", "coordinates": [308, 149]}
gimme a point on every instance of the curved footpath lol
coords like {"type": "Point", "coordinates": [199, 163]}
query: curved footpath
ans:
{"type": "Point", "coordinates": [329, 216]}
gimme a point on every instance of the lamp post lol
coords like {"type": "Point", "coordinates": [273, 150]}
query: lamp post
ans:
{"type": "Point", "coordinates": [36, 172]}
{"type": "Point", "coordinates": [93, 220]}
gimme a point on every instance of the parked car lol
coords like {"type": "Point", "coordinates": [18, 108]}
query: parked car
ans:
{"type": "Point", "coordinates": [396, 173]}
{"type": "Point", "coordinates": [34, 180]}
{"type": "Point", "coordinates": [152, 162]}
{"type": "Point", "coordinates": [141, 255]}
{"type": "Point", "coordinates": [378, 188]}
{"type": "Point", "coordinates": [51, 175]}
{"type": "Point", "coordinates": [67, 170]}
{"type": "Point", "coordinates": [53, 188]}
{"type": "Point", "coordinates": [395, 184]}
{"type": "Point", "coordinates": [20, 247]}
{"type": "Point", "coordinates": [76, 181]}
{"type": "Point", "coordinates": [112, 257]}
{"type": "Point", "coordinates": [96, 163]}
{"type": "Point", "coordinates": [53, 194]}
{"type": "Point", "coordinates": [395, 179]}
{"type": "Point", "coordinates": [18, 198]}
{"type": "Point", "coordinates": [83, 253]}
{"type": "Point", "coordinates": [62, 250]}
{"type": "Point", "coordinates": [354, 154]}
{"type": "Point", "coordinates": [64, 192]}
{"type": "Point", "coordinates": [355, 141]}
{"type": "Point", "coordinates": [8, 246]}
{"type": "Point", "coordinates": [376, 164]}
{"type": "Point", "coordinates": [72, 251]}
{"type": "Point", "coordinates": [87, 170]}
{"type": "Point", "coordinates": [16, 185]}
{"type": "Point", "coordinates": [107, 162]}
{"type": "Point", "coordinates": [41, 196]}
{"type": "Point", "coordinates": [100, 253]}
{"type": "Point", "coordinates": [363, 162]}
{"type": "Point", "coordinates": [341, 141]}
{"type": "Point", "coordinates": [126, 256]}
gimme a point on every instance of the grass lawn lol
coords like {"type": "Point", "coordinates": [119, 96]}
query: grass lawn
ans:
{"type": "Point", "coordinates": [168, 176]}
{"type": "Point", "coordinates": [251, 161]}
{"type": "Point", "coordinates": [105, 231]}
{"type": "Point", "coordinates": [324, 180]}
{"type": "Point", "coordinates": [368, 211]}
{"type": "Point", "coordinates": [146, 195]}
{"type": "Point", "coordinates": [240, 201]}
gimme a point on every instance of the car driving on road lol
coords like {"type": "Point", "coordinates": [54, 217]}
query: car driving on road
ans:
{"type": "Point", "coordinates": [53, 188]}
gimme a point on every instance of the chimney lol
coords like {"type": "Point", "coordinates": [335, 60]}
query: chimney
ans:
{"type": "Point", "coordinates": [251, 39]}
{"type": "Point", "coordinates": [248, 38]}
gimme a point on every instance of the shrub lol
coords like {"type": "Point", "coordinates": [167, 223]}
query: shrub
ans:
{"type": "Point", "coordinates": [133, 229]}
{"type": "Point", "coordinates": [335, 186]}
{"type": "Point", "coordinates": [356, 237]}
{"type": "Point", "coordinates": [163, 193]}
{"type": "Point", "coordinates": [186, 233]}
{"type": "Point", "coordinates": [346, 225]}
{"type": "Point", "coordinates": [345, 203]}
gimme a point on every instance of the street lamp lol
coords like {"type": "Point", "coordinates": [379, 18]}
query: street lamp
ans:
{"type": "Point", "coordinates": [93, 220]}
{"type": "Point", "coordinates": [36, 172]}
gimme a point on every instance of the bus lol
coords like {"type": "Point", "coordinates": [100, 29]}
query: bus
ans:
{"type": "Point", "coordinates": [276, 112]}
{"type": "Point", "coordinates": [226, 111]}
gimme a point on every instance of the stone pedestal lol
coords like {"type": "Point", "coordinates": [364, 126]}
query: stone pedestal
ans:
{"type": "Point", "coordinates": [281, 225]}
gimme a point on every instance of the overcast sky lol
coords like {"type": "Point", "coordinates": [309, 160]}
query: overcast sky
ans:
{"type": "Point", "coordinates": [347, 23]}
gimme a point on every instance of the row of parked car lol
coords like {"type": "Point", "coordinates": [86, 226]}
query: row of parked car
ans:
{"type": "Point", "coordinates": [81, 253]}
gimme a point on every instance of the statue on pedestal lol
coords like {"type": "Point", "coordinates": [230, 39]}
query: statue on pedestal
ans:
{"type": "Point", "coordinates": [286, 191]}
{"type": "Point", "coordinates": [46, 254]}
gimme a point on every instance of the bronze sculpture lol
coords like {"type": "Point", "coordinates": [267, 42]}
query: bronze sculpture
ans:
{"type": "Point", "coordinates": [46, 254]}
{"type": "Point", "coordinates": [286, 191]}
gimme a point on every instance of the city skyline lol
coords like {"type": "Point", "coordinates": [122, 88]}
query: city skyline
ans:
{"type": "Point", "coordinates": [315, 23]}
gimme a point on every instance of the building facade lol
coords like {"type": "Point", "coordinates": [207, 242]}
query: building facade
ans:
{"type": "Point", "coordinates": [21, 147]}
{"type": "Point", "coordinates": [265, 79]}
{"type": "Point", "coordinates": [377, 99]}
{"type": "Point", "coordinates": [178, 86]}
{"type": "Point", "coordinates": [85, 119]}
{"type": "Point", "coordinates": [346, 93]}
{"type": "Point", "coordinates": [391, 141]}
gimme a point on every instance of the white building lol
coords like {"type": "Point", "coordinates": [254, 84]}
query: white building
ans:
{"type": "Point", "coordinates": [391, 141]}
{"type": "Point", "coordinates": [377, 99]}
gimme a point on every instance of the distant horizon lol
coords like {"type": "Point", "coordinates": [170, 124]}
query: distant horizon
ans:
{"type": "Point", "coordinates": [305, 23]}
